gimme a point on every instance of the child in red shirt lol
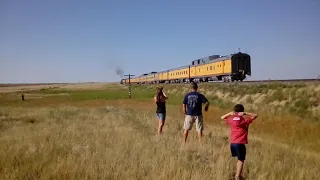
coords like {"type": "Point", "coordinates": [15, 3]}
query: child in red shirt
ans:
{"type": "Point", "coordinates": [239, 125]}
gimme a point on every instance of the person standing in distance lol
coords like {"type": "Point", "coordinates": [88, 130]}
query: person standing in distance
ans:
{"type": "Point", "coordinates": [192, 107]}
{"type": "Point", "coordinates": [160, 100]}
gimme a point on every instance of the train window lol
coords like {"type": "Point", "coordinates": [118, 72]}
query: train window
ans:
{"type": "Point", "coordinates": [210, 67]}
{"type": "Point", "coordinates": [207, 68]}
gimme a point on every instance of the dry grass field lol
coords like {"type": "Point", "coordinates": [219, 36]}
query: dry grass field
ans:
{"type": "Point", "coordinates": [97, 133]}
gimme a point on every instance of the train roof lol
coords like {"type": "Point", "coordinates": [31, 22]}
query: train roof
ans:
{"type": "Point", "coordinates": [217, 58]}
{"type": "Point", "coordinates": [180, 67]}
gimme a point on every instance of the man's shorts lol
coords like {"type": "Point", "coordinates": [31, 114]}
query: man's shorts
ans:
{"type": "Point", "coordinates": [161, 116]}
{"type": "Point", "coordinates": [189, 120]}
{"type": "Point", "coordinates": [238, 150]}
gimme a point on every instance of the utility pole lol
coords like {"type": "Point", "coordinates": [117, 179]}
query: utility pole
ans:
{"type": "Point", "coordinates": [130, 75]}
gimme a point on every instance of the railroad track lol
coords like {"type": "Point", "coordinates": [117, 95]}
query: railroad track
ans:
{"type": "Point", "coordinates": [317, 80]}
{"type": "Point", "coordinates": [282, 81]}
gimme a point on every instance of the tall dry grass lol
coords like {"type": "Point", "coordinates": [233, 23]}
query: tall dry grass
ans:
{"type": "Point", "coordinates": [117, 142]}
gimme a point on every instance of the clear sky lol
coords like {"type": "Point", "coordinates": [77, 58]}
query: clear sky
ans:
{"type": "Point", "coordinates": [77, 40]}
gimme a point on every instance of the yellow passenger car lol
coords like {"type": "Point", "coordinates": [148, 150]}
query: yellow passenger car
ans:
{"type": "Point", "coordinates": [227, 68]}
{"type": "Point", "coordinates": [179, 74]}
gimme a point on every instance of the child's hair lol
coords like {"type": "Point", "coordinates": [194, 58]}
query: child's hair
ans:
{"type": "Point", "coordinates": [159, 93]}
{"type": "Point", "coordinates": [238, 108]}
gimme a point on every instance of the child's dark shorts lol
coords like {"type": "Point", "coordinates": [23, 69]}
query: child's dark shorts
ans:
{"type": "Point", "coordinates": [238, 150]}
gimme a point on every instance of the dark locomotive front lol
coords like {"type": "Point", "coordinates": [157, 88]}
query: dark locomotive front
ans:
{"type": "Point", "coordinates": [241, 66]}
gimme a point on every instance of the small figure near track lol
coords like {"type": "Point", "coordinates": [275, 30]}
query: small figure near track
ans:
{"type": "Point", "coordinates": [22, 97]}
{"type": "Point", "coordinates": [160, 100]}
{"type": "Point", "coordinates": [192, 107]}
{"type": "Point", "coordinates": [239, 134]}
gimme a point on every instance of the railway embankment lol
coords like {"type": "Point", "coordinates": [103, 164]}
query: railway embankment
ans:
{"type": "Point", "coordinates": [298, 99]}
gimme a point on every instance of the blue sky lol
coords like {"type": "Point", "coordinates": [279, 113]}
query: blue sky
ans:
{"type": "Point", "coordinates": [77, 41]}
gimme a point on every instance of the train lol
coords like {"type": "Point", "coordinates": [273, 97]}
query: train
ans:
{"type": "Point", "coordinates": [228, 68]}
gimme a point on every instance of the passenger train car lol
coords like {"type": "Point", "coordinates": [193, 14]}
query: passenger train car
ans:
{"type": "Point", "coordinates": [234, 67]}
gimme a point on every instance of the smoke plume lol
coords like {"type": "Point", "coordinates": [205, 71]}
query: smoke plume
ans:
{"type": "Point", "coordinates": [119, 72]}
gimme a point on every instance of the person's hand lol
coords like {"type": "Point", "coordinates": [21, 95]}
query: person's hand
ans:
{"type": "Point", "coordinates": [206, 108]}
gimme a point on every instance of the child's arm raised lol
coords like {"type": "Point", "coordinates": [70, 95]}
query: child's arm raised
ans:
{"type": "Point", "coordinates": [226, 115]}
{"type": "Point", "coordinates": [253, 116]}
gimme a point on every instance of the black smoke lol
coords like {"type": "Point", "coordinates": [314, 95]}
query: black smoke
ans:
{"type": "Point", "coordinates": [119, 72]}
